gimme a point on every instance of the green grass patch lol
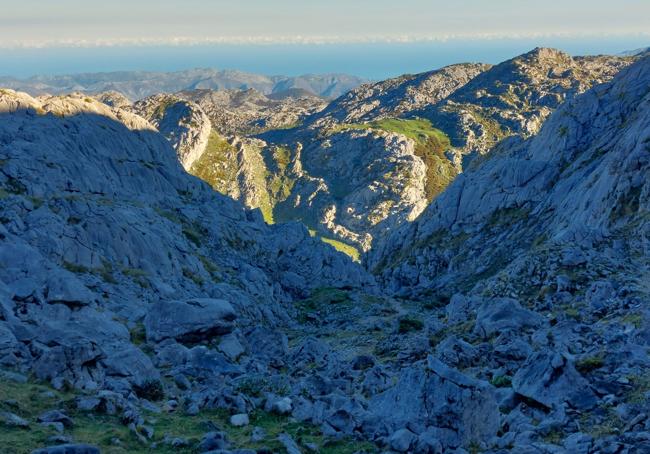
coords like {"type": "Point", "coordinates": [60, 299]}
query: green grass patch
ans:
{"type": "Point", "coordinates": [501, 381]}
{"type": "Point", "coordinates": [29, 400]}
{"type": "Point", "coordinates": [340, 246]}
{"type": "Point", "coordinates": [139, 276]}
{"type": "Point", "coordinates": [430, 146]}
{"type": "Point", "coordinates": [217, 166]}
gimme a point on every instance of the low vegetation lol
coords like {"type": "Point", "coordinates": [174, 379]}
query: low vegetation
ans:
{"type": "Point", "coordinates": [408, 324]}
{"type": "Point", "coordinates": [29, 400]}
{"type": "Point", "coordinates": [340, 246]}
{"type": "Point", "coordinates": [217, 165]}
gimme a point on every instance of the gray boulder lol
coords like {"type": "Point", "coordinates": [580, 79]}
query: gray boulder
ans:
{"type": "Point", "coordinates": [502, 314]}
{"type": "Point", "coordinates": [56, 416]}
{"type": "Point", "coordinates": [402, 440]}
{"type": "Point", "coordinates": [12, 420]}
{"type": "Point", "coordinates": [189, 321]}
{"type": "Point", "coordinates": [213, 441]}
{"type": "Point", "coordinates": [462, 410]}
{"type": "Point", "coordinates": [550, 379]}
{"type": "Point", "coordinates": [289, 444]}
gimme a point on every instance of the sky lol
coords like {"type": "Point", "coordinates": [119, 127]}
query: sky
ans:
{"type": "Point", "coordinates": [47, 31]}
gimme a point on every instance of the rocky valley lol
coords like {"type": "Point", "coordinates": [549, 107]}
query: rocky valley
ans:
{"type": "Point", "coordinates": [450, 262]}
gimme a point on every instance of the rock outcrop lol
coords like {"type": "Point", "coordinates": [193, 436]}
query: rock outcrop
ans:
{"type": "Point", "coordinates": [376, 157]}
{"type": "Point", "coordinates": [183, 123]}
{"type": "Point", "coordinates": [512, 315]}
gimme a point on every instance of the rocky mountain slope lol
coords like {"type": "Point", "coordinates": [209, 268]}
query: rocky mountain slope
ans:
{"type": "Point", "coordinates": [395, 97]}
{"type": "Point", "coordinates": [377, 156]}
{"type": "Point", "coordinates": [141, 311]}
{"type": "Point", "coordinates": [136, 85]}
{"type": "Point", "coordinates": [105, 239]}
{"type": "Point", "coordinates": [516, 96]}
{"type": "Point", "coordinates": [544, 249]}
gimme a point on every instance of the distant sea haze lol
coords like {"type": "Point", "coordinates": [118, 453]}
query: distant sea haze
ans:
{"type": "Point", "coordinates": [372, 61]}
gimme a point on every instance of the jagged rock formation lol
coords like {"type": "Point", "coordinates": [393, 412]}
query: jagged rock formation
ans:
{"type": "Point", "coordinates": [140, 84]}
{"type": "Point", "coordinates": [183, 123]}
{"type": "Point", "coordinates": [511, 316]}
{"type": "Point", "coordinates": [114, 99]}
{"type": "Point", "coordinates": [516, 96]}
{"type": "Point", "coordinates": [447, 118]}
{"type": "Point", "coordinates": [242, 112]}
{"type": "Point", "coordinates": [236, 167]}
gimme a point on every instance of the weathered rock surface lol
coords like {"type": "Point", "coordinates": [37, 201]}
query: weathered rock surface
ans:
{"type": "Point", "coordinates": [97, 204]}
{"type": "Point", "coordinates": [513, 314]}
{"type": "Point", "coordinates": [189, 321]}
{"type": "Point", "coordinates": [396, 97]}
{"type": "Point", "coordinates": [183, 123]}
{"type": "Point", "coordinates": [535, 245]}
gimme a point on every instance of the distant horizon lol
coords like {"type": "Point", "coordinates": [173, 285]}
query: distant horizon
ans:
{"type": "Point", "coordinates": [373, 61]}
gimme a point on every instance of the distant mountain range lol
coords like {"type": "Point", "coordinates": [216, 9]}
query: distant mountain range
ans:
{"type": "Point", "coordinates": [139, 84]}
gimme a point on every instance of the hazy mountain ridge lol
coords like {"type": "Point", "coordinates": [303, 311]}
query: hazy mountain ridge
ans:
{"type": "Point", "coordinates": [136, 85]}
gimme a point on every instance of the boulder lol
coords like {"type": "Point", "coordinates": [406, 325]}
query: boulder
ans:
{"type": "Point", "coordinates": [231, 347]}
{"type": "Point", "coordinates": [239, 420]}
{"type": "Point", "coordinates": [214, 440]}
{"type": "Point", "coordinates": [190, 320]}
{"type": "Point", "coordinates": [550, 379]}
{"type": "Point", "coordinates": [56, 416]}
{"type": "Point", "coordinates": [279, 405]}
{"type": "Point", "coordinates": [64, 287]}
{"type": "Point", "coordinates": [402, 440]}
{"type": "Point", "coordinates": [289, 444]}
{"type": "Point", "coordinates": [462, 410]}
{"type": "Point", "coordinates": [13, 420]}
{"type": "Point", "coordinates": [503, 314]}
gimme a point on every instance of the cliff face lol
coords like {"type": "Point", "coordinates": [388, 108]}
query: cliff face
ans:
{"type": "Point", "coordinates": [183, 123]}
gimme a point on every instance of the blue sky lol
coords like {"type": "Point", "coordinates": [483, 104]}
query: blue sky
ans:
{"type": "Point", "coordinates": [370, 38]}
{"type": "Point", "coordinates": [128, 22]}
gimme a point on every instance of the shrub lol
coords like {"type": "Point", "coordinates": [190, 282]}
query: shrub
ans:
{"type": "Point", "coordinates": [408, 324]}
{"type": "Point", "coordinates": [591, 363]}
{"type": "Point", "coordinates": [501, 381]}
{"type": "Point", "coordinates": [150, 390]}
